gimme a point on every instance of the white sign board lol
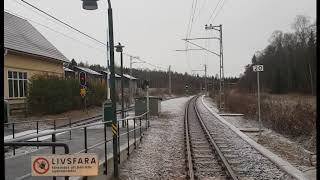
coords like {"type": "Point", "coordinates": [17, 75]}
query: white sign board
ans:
{"type": "Point", "coordinates": [257, 68]}
{"type": "Point", "coordinates": [84, 164]}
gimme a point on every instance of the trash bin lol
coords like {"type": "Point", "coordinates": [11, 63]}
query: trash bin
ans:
{"type": "Point", "coordinates": [107, 112]}
{"type": "Point", "coordinates": [154, 105]}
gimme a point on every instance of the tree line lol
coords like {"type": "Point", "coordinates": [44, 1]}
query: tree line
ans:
{"type": "Point", "coordinates": [289, 61]}
{"type": "Point", "coordinates": [160, 78]}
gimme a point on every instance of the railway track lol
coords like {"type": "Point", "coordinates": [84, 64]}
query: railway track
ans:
{"type": "Point", "coordinates": [204, 158]}
{"type": "Point", "coordinates": [213, 151]}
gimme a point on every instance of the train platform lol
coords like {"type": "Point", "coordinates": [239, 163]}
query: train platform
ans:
{"type": "Point", "coordinates": [161, 153]}
{"type": "Point", "coordinates": [94, 134]}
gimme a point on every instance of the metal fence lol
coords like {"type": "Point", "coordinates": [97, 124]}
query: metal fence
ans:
{"type": "Point", "coordinates": [23, 141]}
{"type": "Point", "coordinates": [54, 126]}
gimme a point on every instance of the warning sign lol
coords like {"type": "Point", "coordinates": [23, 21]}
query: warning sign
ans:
{"type": "Point", "coordinates": [85, 164]}
{"type": "Point", "coordinates": [82, 92]}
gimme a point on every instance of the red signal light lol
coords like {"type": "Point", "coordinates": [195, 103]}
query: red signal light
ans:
{"type": "Point", "coordinates": [82, 76]}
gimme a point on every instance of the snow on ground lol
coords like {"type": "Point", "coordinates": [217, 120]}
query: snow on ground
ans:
{"type": "Point", "coordinates": [288, 150]}
{"type": "Point", "coordinates": [161, 153]}
{"type": "Point", "coordinates": [29, 132]}
{"type": "Point", "coordinates": [26, 149]}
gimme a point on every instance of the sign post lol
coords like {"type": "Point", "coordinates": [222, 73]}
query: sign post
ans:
{"type": "Point", "coordinates": [258, 68]}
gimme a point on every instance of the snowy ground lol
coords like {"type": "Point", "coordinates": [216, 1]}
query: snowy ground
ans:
{"type": "Point", "coordinates": [288, 150]}
{"type": "Point", "coordinates": [161, 154]}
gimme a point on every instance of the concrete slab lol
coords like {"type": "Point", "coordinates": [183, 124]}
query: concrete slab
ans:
{"type": "Point", "coordinates": [230, 114]}
{"type": "Point", "coordinates": [250, 130]}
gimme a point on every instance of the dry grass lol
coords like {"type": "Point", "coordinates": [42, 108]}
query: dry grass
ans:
{"type": "Point", "coordinates": [292, 114]}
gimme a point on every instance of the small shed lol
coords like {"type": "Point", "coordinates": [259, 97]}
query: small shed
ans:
{"type": "Point", "coordinates": [90, 74]}
{"type": "Point", "coordinates": [69, 73]}
{"type": "Point", "coordinates": [154, 105]}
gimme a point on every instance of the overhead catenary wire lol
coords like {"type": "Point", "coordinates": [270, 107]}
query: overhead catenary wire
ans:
{"type": "Point", "coordinates": [201, 8]}
{"type": "Point", "coordinates": [192, 19]}
{"type": "Point", "coordinates": [189, 28]}
{"type": "Point", "coordinates": [189, 22]}
{"type": "Point", "coordinates": [49, 28]}
{"type": "Point", "coordinates": [214, 10]}
{"type": "Point", "coordinates": [64, 23]}
{"type": "Point", "coordinates": [219, 10]}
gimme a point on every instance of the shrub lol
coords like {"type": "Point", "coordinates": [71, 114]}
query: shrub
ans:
{"type": "Point", "coordinates": [53, 94]}
{"type": "Point", "coordinates": [283, 114]}
{"type": "Point", "coordinates": [96, 93]}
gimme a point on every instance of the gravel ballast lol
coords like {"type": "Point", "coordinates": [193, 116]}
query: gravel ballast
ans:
{"type": "Point", "coordinates": [250, 162]}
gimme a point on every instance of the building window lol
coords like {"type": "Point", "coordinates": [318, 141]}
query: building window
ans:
{"type": "Point", "coordinates": [17, 84]}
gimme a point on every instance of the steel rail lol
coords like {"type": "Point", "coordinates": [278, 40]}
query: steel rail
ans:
{"type": "Point", "coordinates": [188, 145]}
{"type": "Point", "coordinates": [215, 147]}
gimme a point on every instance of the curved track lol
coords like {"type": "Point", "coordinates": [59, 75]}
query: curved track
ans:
{"type": "Point", "coordinates": [204, 158]}
{"type": "Point", "coordinates": [214, 151]}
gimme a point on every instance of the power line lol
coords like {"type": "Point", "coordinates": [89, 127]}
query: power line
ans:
{"type": "Point", "coordinates": [219, 10]}
{"type": "Point", "coordinates": [35, 11]}
{"type": "Point", "coordinates": [194, 10]}
{"type": "Point", "coordinates": [214, 10]}
{"type": "Point", "coordinates": [66, 24]}
{"type": "Point", "coordinates": [27, 19]}
{"type": "Point", "coordinates": [143, 61]}
{"type": "Point", "coordinates": [201, 7]}
{"type": "Point", "coordinates": [190, 17]}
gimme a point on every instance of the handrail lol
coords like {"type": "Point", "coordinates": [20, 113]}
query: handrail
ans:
{"type": "Point", "coordinates": [66, 129]}
{"type": "Point", "coordinates": [63, 118]}
{"type": "Point", "coordinates": [132, 117]}
{"type": "Point", "coordinates": [41, 120]}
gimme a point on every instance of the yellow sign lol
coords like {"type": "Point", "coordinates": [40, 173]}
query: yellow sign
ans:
{"type": "Point", "coordinates": [84, 164]}
{"type": "Point", "coordinates": [114, 129]}
{"type": "Point", "coordinates": [82, 92]}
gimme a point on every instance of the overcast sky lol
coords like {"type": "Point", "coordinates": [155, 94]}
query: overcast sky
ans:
{"type": "Point", "coordinates": [153, 29]}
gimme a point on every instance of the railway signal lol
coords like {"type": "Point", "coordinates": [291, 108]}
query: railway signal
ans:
{"type": "Point", "coordinates": [82, 78]}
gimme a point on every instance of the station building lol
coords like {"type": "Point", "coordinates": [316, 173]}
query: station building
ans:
{"type": "Point", "coordinates": [26, 53]}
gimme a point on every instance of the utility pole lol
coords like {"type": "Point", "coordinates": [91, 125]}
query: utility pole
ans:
{"type": "Point", "coordinates": [170, 80]}
{"type": "Point", "coordinates": [205, 80]}
{"type": "Point", "coordinates": [213, 85]}
{"type": "Point", "coordinates": [130, 82]}
{"type": "Point", "coordinates": [221, 82]}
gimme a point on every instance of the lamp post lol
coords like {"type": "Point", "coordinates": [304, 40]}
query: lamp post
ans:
{"type": "Point", "coordinates": [119, 48]}
{"type": "Point", "coordinates": [92, 5]}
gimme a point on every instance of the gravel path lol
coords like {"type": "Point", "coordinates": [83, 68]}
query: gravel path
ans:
{"type": "Point", "coordinates": [161, 153]}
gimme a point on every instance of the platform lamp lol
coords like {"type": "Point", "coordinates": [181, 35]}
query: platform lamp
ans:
{"type": "Point", "coordinates": [92, 5]}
